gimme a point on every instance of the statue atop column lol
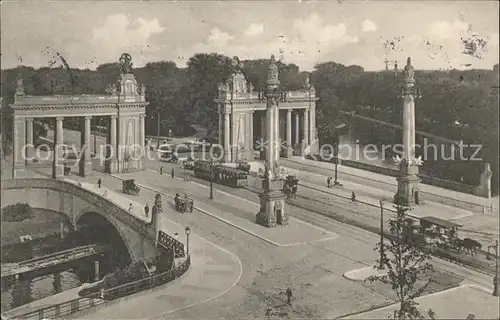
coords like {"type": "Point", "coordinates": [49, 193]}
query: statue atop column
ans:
{"type": "Point", "coordinates": [409, 71]}
{"type": "Point", "coordinates": [272, 74]}
{"type": "Point", "coordinates": [126, 63]}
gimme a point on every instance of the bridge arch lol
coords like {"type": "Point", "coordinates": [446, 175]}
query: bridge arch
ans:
{"type": "Point", "coordinates": [67, 197]}
{"type": "Point", "coordinates": [118, 230]}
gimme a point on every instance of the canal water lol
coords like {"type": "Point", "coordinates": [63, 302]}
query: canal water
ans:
{"type": "Point", "coordinates": [24, 292]}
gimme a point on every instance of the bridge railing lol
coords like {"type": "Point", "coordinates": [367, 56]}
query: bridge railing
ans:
{"type": "Point", "coordinates": [95, 299]}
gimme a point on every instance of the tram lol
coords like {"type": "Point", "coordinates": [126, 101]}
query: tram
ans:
{"type": "Point", "coordinates": [230, 177]}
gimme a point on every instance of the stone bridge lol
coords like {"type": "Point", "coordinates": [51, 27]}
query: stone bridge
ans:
{"type": "Point", "coordinates": [75, 202]}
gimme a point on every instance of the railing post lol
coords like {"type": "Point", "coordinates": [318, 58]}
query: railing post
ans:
{"type": "Point", "coordinates": [57, 310]}
{"type": "Point", "coordinates": [40, 314]}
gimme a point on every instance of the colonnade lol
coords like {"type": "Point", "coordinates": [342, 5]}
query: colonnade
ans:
{"type": "Point", "coordinates": [24, 146]}
{"type": "Point", "coordinates": [236, 129]}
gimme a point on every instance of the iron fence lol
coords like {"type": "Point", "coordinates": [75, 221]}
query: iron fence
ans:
{"type": "Point", "coordinates": [103, 297]}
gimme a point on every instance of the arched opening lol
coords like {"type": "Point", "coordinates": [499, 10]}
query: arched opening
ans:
{"type": "Point", "coordinates": [93, 228]}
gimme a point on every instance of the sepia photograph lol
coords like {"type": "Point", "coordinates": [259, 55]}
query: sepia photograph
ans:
{"type": "Point", "coordinates": [334, 159]}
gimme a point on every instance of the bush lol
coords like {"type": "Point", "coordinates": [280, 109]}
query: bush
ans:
{"type": "Point", "coordinates": [17, 212]}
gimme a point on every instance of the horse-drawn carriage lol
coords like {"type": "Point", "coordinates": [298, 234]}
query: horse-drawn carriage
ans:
{"type": "Point", "coordinates": [183, 204]}
{"type": "Point", "coordinates": [290, 186]}
{"type": "Point", "coordinates": [130, 187]}
{"type": "Point", "coordinates": [435, 232]}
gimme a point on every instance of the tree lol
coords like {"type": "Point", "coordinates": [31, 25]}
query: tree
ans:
{"type": "Point", "coordinates": [405, 264]}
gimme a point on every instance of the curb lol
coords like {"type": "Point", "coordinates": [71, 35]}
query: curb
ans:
{"type": "Point", "coordinates": [207, 213]}
{"type": "Point", "coordinates": [484, 206]}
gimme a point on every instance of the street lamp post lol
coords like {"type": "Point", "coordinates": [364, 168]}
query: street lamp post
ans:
{"type": "Point", "coordinates": [188, 231]}
{"type": "Point", "coordinates": [176, 236]}
{"type": "Point", "coordinates": [381, 201]}
{"type": "Point", "coordinates": [158, 118]}
{"type": "Point", "coordinates": [495, 279]}
{"type": "Point", "coordinates": [211, 173]}
{"type": "Point", "coordinates": [337, 124]}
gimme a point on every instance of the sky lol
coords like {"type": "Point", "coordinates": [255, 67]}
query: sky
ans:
{"type": "Point", "coordinates": [364, 33]}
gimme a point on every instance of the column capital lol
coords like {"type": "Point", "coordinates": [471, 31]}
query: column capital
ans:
{"type": "Point", "coordinates": [142, 115]}
{"type": "Point", "coordinates": [289, 111]}
{"type": "Point", "coordinates": [88, 117]}
{"type": "Point", "coordinates": [59, 118]}
{"type": "Point", "coordinates": [114, 117]}
{"type": "Point", "coordinates": [29, 119]}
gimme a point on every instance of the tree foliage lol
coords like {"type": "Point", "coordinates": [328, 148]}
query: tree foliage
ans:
{"type": "Point", "coordinates": [17, 212]}
{"type": "Point", "coordinates": [184, 96]}
{"type": "Point", "coordinates": [405, 264]}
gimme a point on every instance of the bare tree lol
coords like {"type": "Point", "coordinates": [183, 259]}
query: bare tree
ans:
{"type": "Point", "coordinates": [405, 264]}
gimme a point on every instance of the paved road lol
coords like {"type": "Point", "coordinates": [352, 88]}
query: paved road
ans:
{"type": "Point", "coordinates": [313, 271]}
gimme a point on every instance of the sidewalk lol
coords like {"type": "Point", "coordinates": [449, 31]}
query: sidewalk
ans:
{"type": "Point", "coordinates": [455, 303]}
{"type": "Point", "coordinates": [235, 211]}
{"type": "Point", "coordinates": [390, 181]}
{"type": "Point", "coordinates": [45, 302]}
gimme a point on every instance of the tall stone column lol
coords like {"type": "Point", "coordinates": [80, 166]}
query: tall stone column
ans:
{"type": "Point", "coordinates": [18, 146]}
{"type": "Point", "coordinates": [312, 126]}
{"type": "Point", "coordinates": [221, 127]}
{"type": "Point", "coordinates": [227, 141]}
{"type": "Point", "coordinates": [58, 161]}
{"type": "Point", "coordinates": [271, 134]}
{"type": "Point", "coordinates": [111, 157]}
{"type": "Point", "coordinates": [234, 137]}
{"type": "Point", "coordinates": [277, 137]}
{"type": "Point", "coordinates": [264, 146]}
{"type": "Point", "coordinates": [30, 148]}
{"type": "Point", "coordinates": [142, 138]}
{"type": "Point", "coordinates": [289, 150]}
{"type": "Point", "coordinates": [408, 180]}
{"type": "Point", "coordinates": [297, 129]}
{"type": "Point", "coordinates": [85, 142]}
{"type": "Point", "coordinates": [306, 128]}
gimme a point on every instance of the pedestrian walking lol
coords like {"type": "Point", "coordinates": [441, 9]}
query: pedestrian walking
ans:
{"type": "Point", "coordinates": [161, 170]}
{"type": "Point", "coordinates": [105, 193]}
{"type": "Point", "coordinates": [130, 207]}
{"type": "Point", "coordinates": [353, 197]}
{"type": "Point", "coordinates": [172, 173]}
{"type": "Point", "coordinates": [328, 181]}
{"type": "Point", "coordinates": [417, 198]}
{"type": "Point", "coordinates": [289, 296]}
{"type": "Point", "coordinates": [146, 210]}
{"type": "Point", "coordinates": [99, 182]}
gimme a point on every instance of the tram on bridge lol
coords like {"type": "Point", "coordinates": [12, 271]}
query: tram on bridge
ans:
{"type": "Point", "coordinates": [230, 177]}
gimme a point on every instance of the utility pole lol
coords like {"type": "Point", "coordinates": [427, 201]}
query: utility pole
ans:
{"type": "Point", "coordinates": [211, 174]}
{"type": "Point", "coordinates": [495, 279]}
{"type": "Point", "coordinates": [381, 201]}
{"type": "Point", "coordinates": [337, 125]}
{"type": "Point", "coordinates": [157, 128]}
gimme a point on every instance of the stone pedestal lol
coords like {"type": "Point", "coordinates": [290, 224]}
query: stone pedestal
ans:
{"type": "Point", "coordinates": [272, 205]}
{"type": "Point", "coordinates": [408, 186]}
{"type": "Point", "coordinates": [85, 168]}
{"type": "Point", "coordinates": [288, 152]}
